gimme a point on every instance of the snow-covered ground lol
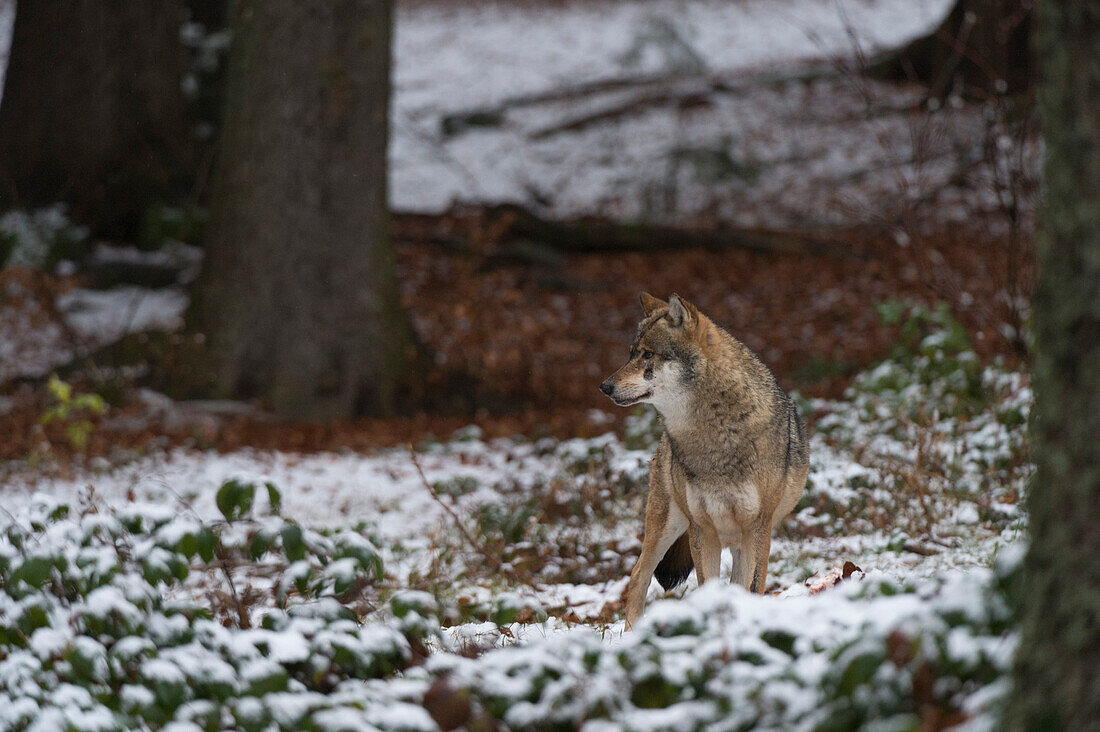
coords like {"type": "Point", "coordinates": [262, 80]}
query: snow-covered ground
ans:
{"type": "Point", "coordinates": [515, 552]}
{"type": "Point", "coordinates": [455, 56]}
{"type": "Point", "coordinates": [658, 110]}
{"type": "Point", "coordinates": [7, 17]}
{"type": "Point", "coordinates": [507, 560]}
{"type": "Point", "coordinates": [883, 493]}
{"type": "Point", "coordinates": [384, 489]}
{"type": "Point", "coordinates": [33, 342]}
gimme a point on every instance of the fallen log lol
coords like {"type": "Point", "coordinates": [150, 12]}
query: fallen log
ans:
{"type": "Point", "coordinates": [652, 90]}
{"type": "Point", "coordinates": [693, 95]}
{"type": "Point", "coordinates": [587, 235]}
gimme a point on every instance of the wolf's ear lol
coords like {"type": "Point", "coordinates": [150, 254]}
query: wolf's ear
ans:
{"type": "Point", "coordinates": [650, 303]}
{"type": "Point", "coordinates": [681, 313]}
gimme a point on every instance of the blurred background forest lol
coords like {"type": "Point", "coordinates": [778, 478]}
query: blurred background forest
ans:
{"type": "Point", "coordinates": [304, 307]}
{"type": "Point", "coordinates": [786, 165]}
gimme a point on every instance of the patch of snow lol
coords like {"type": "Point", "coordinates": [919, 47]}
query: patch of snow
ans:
{"type": "Point", "coordinates": [106, 315]}
{"type": "Point", "coordinates": [32, 343]}
{"type": "Point", "coordinates": [172, 255]}
{"type": "Point", "coordinates": [457, 56]}
{"type": "Point", "coordinates": [674, 132]}
{"type": "Point", "coordinates": [7, 20]}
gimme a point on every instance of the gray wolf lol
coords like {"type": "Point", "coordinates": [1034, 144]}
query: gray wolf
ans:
{"type": "Point", "coordinates": [732, 461]}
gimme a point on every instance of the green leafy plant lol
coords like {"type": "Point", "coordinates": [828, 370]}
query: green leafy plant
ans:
{"type": "Point", "coordinates": [109, 604]}
{"type": "Point", "coordinates": [75, 411]}
{"type": "Point", "coordinates": [931, 364]}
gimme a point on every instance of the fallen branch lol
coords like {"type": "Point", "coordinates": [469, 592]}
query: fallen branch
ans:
{"type": "Point", "coordinates": [597, 235]}
{"type": "Point", "coordinates": [491, 116]}
{"type": "Point", "coordinates": [694, 94]}
{"type": "Point", "coordinates": [921, 549]}
{"type": "Point", "coordinates": [244, 621]}
{"type": "Point", "coordinates": [477, 547]}
{"type": "Point", "coordinates": [862, 174]}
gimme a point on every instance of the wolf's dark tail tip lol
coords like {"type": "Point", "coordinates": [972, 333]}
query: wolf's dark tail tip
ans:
{"type": "Point", "coordinates": [676, 565]}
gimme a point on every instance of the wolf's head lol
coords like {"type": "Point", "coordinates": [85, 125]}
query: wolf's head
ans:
{"type": "Point", "coordinates": [665, 356]}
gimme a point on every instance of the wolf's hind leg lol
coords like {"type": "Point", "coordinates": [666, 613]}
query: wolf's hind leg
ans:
{"type": "Point", "coordinates": [761, 538]}
{"type": "Point", "coordinates": [744, 562]}
{"type": "Point", "coordinates": [736, 574]}
{"type": "Point", "coordinates": [741, 552]}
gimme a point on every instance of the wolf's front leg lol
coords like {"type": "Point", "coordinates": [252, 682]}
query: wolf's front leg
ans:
{"type": "Point", "coordinates": [664, 523]}
{"type": "Point", "coordinates": [743, 557]}
{"type": "Point", "coordinates": [638, 586]}
{"type": "Point", "coordinates": [706, 552]}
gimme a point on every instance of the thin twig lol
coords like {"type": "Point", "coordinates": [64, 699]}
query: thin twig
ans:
{"type": "Point", "coordinates": [477, 547]}
{"type": "Point", "coordinates": [921, 549]}
{"type": "Point", "coordinates": [16, 522]}
{"type": "Point", "coordinates": [243, 620]}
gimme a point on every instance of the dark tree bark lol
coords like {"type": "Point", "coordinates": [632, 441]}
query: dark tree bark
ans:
{"type": "Point", "coordinates": [979, 43]}
{"type": "Point", "coordinates": [212, 14]}
{"type": "Point", "coordinates": [298, 298]}
{"type": "Point", "coordinates": [92, 112]}
{"type": "Point", "coordinates": [1057, 673]}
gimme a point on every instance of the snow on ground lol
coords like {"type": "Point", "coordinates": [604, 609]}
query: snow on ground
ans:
{"type": "Point", "coordinates": [7, 17]}
{"type": "Point", "coordinates": [32, 342]}
{"type": "Point", "coordinates": [861, 504]}
{"type": "Point", "coordinates": [326, 489]}
{"type": "Point", "coordinates": [455, 56]}
{"type": "Point", "coordinates": [102, 316]}
{"type": "Point", "coordinates": [333, 490]}
{"type": "Point", "coordinates": [682, 137]}
{"type": "Point", "coordinates": [514, 552]}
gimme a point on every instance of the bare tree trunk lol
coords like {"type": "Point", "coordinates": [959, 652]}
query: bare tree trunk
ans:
{"type": "Point", "coordinates": [982, 44]}
{"type": "Point", "coordinates": [212, 14]}
{"type": "Point", "coordinates": [298, 299]}
{"type": "Point", "coordinates": [93, 113]}
{"type": "Point", "coordinates": [1057, 674]}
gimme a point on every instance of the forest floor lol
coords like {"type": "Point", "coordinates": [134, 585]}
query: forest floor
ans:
{"type": "Point", "coordinates": [340, 584]}
{"type": "Point", "coordinates": [544, 450]}
{"type": "Point", "coordinates": [520, 346]}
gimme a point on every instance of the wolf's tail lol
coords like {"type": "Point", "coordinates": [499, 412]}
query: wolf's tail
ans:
{"type": "Point", "coordinates": [676, 565]}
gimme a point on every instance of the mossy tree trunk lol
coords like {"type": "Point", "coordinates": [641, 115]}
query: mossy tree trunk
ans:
{"type": "Point", "coordinates": [298, 300]}
{"type": "Point", "coordinates": [92, 112]}
{"type": "Point", "coordinates": [1057, 673]}
{"type": "Point", "coordinates": [984, 44]}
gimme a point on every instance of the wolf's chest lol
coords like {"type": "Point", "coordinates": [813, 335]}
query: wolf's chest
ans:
{"type": "Point", "coordinates": [715, 462]}
{"type": "Point", "coordinates": [726, 506]}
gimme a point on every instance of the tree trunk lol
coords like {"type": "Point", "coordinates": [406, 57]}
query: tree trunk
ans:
{"type": "Point", "coordinates": [298, 299]}
{"type": "Point", "coordinates": [984, 44]}
{"type": "Point", "coordinates": [212, 14]}
{"type": "Point", "coordinates": [92, 111]}
{"type": "Point", "coordinates": [1057, 673]}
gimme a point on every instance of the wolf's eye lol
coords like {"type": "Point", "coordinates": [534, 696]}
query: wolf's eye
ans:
{"type": "Point", "coordinates": [646, 355]}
